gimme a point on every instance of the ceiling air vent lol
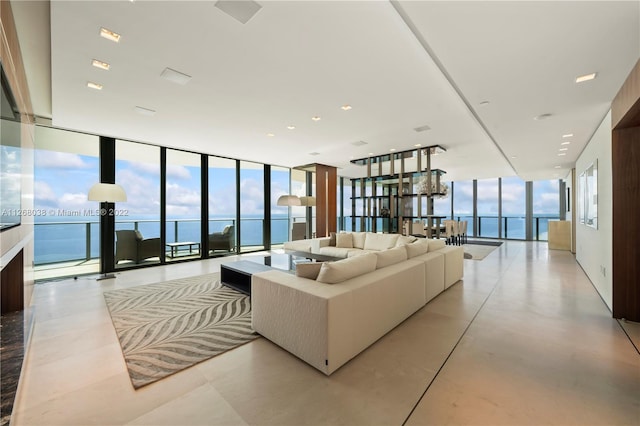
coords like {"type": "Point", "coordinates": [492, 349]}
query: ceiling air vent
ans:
{"type": "Point", "coordinates": [175, 76]}
{"type": "Point", "coordinates": [314, 153]}
{"type": "Point", "coordinates": [240, 10]}
{"type": "Point", "coordinates": [422, 128]}
{"type": "Point", "coordinates": [358, 143]}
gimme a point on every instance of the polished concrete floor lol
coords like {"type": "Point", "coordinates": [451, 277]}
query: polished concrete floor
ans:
{"type": "Point", "coordinates": [524, 339]}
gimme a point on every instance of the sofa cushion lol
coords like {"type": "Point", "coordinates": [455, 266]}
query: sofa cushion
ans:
{"type": "Point", "coordinates": [390, 257]}
{"type": "Point", "coordinates": [342, 270]}
{"type": "Point", "coordinates": [359, 239]}
{"type": "Point", "coordinates": [436, 245]}
{"type": "Point", "coordinates": [403, 241]}
{"type": "Point", "coordinates": [344, 240]}
{"type": "Point", "coordinates": [358, 252]}
{"type": "Point", "coordinates": [417, 248]}
{"type": "Point", "coordinates": [308, 270]}
{"type": "Point", "coordinates": [338, 251]}
{"type": "Point", "coordinates": [379, 241]}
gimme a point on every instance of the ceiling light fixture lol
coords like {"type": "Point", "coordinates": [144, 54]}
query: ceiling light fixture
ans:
{"type": "Point", "coordinates": [99, 64]}
{"type": "Point", "coordinates": [586, 77]}
{"type": "Point", "coordinates": [392, 149]}
{"type": "Point", "coordinates": [484, 103]}
{"type": "Point", "coordinates": [346, 107]}
{"type": "Point", "coordinates": [418, 145]}
{"type": "Point", "coordinates": [561, 154]}
{"type": "Point", "coordinates": [92, 85]}
{"type": "Point", "coordinates": [568, 135]}
{"type": "Point", "coordinates": [371, 153]}
{"type": "Point", "coordinates": [565, 143]}
{"type": "Point", "coordinates": [557, 167]}
{"type": "Point", "coordinates": [109, 35]}
{"type": "Point", "coordinates": [513, 156]}
{"type": "Point", "coordinates": [563, 149]}
{"type": "Point", "coordinates": [291, 127]}
{"type": "Point", "coordinates": [316, 118]}
{"type": "Point", "coordinates": [271, 135]}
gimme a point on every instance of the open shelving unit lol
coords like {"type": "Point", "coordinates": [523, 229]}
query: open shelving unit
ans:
{"type": "Point", "coordinates": [393, 190]}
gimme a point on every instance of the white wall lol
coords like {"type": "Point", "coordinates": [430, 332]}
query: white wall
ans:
{"type": "Point", "coordinates": [594, 246]}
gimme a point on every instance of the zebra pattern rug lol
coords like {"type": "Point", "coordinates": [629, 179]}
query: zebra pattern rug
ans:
{"type": "Point", "coordinates": [166, 327]}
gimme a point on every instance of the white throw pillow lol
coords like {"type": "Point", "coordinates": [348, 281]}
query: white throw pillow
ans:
{"type": "Point", "coordinates": [436, 245]}
{"type": "Point", "coordinates": [416, 249]}
{"type": "Point", "coordinates": [379, 241]}
{"type": "Point", "coordinates": [358, 239]}
{"type": "Point", "coordinates": [308, 270]}
{"type": "Point", "coordinates": [344, 241]}
{"type": "Point", "coordinates": [390, 257]}
{"type": "Point", "coordinates": [403, 241]}
{"type": "Point", "coordinates": [342, 270]}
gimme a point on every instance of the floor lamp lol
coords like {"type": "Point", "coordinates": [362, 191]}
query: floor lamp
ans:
{"type": "Point", "coordinates": [106, 193]}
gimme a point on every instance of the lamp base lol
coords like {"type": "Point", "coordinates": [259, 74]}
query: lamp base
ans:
{"type": "Point", "coordinates": [105, 277]}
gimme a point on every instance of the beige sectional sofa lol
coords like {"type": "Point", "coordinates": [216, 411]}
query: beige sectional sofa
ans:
{"type": "Point", "coordinates": [352, 302]}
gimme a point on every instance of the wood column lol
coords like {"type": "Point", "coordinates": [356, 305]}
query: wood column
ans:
{"type": "Point", "coordinates": [625, 157]}
{"type": "Point", "coordinates": [326, 193]}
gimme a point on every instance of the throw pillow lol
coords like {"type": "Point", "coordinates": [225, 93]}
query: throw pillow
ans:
{"type": "Point", "coordinates": [403, 241]}
{"type": "Point", "coordinates": [344, 241]}
{"type": "Point", "coordinates": [332, 239]}
{"type": "Point", "coordinates": [308, 269]}
{"type": "Point", "coordinates": [138, 235]}
{"type": "Point", "coordinates": [379, 241]}
{"type": "Point", "coordinates": [416, 249]}
{"type": "Point", "coordinates": [359, 239]}
{"type": "Point", "coordinates": [342, 270]}
{"type": "Point", "coordinates": [390, 257]}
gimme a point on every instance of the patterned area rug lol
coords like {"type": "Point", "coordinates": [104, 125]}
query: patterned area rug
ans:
{"type": "Point", "coordinates": [478, 251]}
{"type": "Point", "coordinates": [166, 327]}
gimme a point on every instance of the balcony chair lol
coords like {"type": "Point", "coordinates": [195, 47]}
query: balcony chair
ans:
{"type": "Point", "coordinates": [223, 240]}
{"type": "Point", "coordinates": [299, 231]}
{"type": "Point", "coordinates": [131, 245]}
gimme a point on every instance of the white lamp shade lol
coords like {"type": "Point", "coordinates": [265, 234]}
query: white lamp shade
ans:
{"type": "Point", "coordinates": [107, 192]}
{"type": "Point", "coordinates": [308, 201]}
{"type": "Point", "coordinates": [288, 200]}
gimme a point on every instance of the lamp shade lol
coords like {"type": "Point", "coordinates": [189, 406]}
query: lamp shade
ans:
{"type": "Point", "coordinates": [107, 192]}
{"type": "Point", "coordinates": [308, 201]}
{"type": "Point", "coordinates": [288, 200]}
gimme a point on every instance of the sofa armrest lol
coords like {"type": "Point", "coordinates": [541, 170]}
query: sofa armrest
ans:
{"type": "Point", "coordinates": [318, 243]}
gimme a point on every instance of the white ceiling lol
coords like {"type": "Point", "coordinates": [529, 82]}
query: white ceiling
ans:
{"type": "Point", "coordinates": [401, 65]}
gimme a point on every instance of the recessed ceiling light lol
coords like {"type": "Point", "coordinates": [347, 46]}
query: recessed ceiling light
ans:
{"type": "Point", "coordinates": [99, 64]}
{"type": "Point", "coordinates": [371, 153]}
{"type": "Point", "coordinates": [109, 35]}
{"type": "Point", "coordinates": [557, 167]}
{"type": "Point", "coordinates": [392, 149]}
{"type": "Point", "coordinates": [291, 127]}
{"type": "Point", "coordinates": [563, 149]}
{"type": "Point", "coordinates": [565, 143]}
{"type": "Point", "coordinates": [568, 135]}
{"type": "Point", "coordinates": [561, 154]}
{"type": "Point", "coordinates": [316, 118]}
{"type": "Point", "coordinates": [484, 103]}
{"type": "Point", "coordinates": [144, 111]}
{"type": "Point", "coordinates": [271, 135]}
{"type": "Point", "coordinates": [418, 144]}
{"type": "Point", "coordinates": [542, 116]}
{"type": "Point", "coordinates": [175, 76]}
{"type": "Point", "coordinates": [346, 107]}
{"type": "Point", "coordinates": [586, 77]}
{"type": "Point", "coordinates": [92, 85]}
{"type": "Point", "coordinates": [513, 156]}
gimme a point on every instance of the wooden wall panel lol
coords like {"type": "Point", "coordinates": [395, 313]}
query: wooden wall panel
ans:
{"type": "Point", "coordinates": [625, 108]}
{"type": "Point", "coordinates": [626, 226]}
{"type": "Point", "coordinates": [326, 211]}
{"type": "Point", "coordinates": [11, 285]}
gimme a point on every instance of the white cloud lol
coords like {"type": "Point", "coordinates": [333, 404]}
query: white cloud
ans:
{"type": "Point", "coordinates": [178, 172]}
{"type": "Point", "coordinates": [143, 193]}
{"type": "Point", "coordinates": [59, 160]}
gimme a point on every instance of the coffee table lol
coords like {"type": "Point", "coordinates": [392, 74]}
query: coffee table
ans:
{"type": "Point", "coordinates": [237, 275]}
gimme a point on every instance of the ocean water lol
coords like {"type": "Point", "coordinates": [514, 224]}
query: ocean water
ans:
{"type": "Point", "coordinates": [74, 238]}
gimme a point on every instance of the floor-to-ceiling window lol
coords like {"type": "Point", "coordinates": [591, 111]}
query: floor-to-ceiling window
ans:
{"type": "Point", "coordinates": [463, 203]}
{"type": "Point", "coordinates": [513, 208]}
{"type": "Point", "coordinates": [280, 185]}
{"type": "Point", "coordinates": [67, 228]}
{"type": "Point", "coordinates": [546, 206]}
{"type": "Point", "coordinates": [222, 206]}
{"type": "Point", "coordinates": [487, 207]}
{"type": "Point", "coordinates": [346, 204]}
{"type": "Point", "coordinates": [183, 198]}
{"type": "Point", "coordinates": [137, 221]}
{"type": "Point", "coordinates": [251, 206]}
